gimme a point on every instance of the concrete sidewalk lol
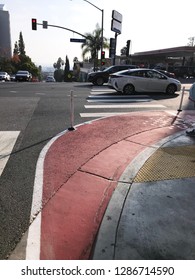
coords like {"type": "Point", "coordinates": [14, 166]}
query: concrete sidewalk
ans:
{"type": "Point", "coordinates": [152, 212]}
{"type": "Point", "coordinates": [116, 188]}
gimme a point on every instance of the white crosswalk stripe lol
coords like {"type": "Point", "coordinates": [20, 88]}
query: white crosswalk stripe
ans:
{"type": "Point", "coordinates": [7, 142]}
{"type": "Point", "coordinates": [117, 99]}
{"type": "Point", "coordinates": [123, 106]}
{"type": "Point", "coordinates": [106, 98]}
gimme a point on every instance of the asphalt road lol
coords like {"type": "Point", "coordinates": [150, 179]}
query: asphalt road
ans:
{"type": "Point", "coordinates": [39, 111]}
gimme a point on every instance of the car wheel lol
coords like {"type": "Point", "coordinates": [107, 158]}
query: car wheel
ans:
{"type": "Point", "coordinates": [99, 81]}
{"type": "Point", "coordinates": [171, 89]}
{"type": "Point", "coordinates": [128, 89]}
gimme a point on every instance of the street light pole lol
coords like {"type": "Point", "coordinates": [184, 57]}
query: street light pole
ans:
{"type": "Point", "coordinates": [102, 37]}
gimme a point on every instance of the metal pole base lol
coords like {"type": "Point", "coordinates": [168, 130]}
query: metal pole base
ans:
{"type": "Point", "coordinates": [71, 128]}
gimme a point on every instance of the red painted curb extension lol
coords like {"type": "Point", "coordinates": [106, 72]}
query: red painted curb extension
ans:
{"type": "Point", "coordinates": [81, 171]}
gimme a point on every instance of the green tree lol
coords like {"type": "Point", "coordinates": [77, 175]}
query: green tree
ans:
{"type": "Point", "coordinates": [6, 65]}
{"type": "Point", "coordinates": [58, 73]}
{"type": "Point", "coordinates": [21, 45]}
{"type": "Point", "coordinates": [16, 49]}
{"type": "Point", "coordinates": [123, 51]}
{"type": "Point", "coordinates": [93, 44]}
{"type": "Point", "coordinates": [20, 61]}
{"type": "Point", "coordinates": [60, 63]}
{"type": "Point", "coordinates": [67, 74]}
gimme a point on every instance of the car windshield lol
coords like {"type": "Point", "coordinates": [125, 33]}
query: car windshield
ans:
{"type": "Point", "coordinates": [22, 72]}
{"type": "Point", "coordinates": [2, 73]}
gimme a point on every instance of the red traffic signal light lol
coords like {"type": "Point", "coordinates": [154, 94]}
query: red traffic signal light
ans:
{"type": "Point", "coordinates": [103, 55]}
{"type": "Point", "coordinates": [103, 58]}
{"type": "Point", "coordinates": [34, 24]}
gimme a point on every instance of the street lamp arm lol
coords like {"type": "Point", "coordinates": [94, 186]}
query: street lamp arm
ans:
{"type": "Point", "coordinates": [93, 5]}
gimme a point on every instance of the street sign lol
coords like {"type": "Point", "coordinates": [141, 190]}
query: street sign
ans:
{"type": "Point", "coordinates": [116, 23]}
{"type": "Point", "coordinates": [117, 16]}
{"type": "Point", "coordinates": [77, 40]}
{"type": "Point", "coordinates": [116, 26]}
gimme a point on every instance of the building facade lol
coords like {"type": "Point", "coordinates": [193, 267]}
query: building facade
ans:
{"type": "Point", "coordinates": [5, 36]}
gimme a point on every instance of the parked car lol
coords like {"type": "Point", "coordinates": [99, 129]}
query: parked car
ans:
{"type": "Point", "coordinates": [4, 76]}
{"type": "Point", "coordinates": [143, 80]}
{"type": "Point", "coordinates": [168, 74]}
{"type": "Point", "coordinates": [23, 76]}
{"type": "Point", "coordinates": [50, 79]}
{"type": "Point", "coordinates": [183, 71]}
{"type": "Point", "coordinates": [101, 77]}
{"type": "Point", "coordinates": [13, 77]}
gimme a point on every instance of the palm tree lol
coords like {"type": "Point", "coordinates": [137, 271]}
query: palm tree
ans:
{"type": "Point", "coordinates": [93, 44]}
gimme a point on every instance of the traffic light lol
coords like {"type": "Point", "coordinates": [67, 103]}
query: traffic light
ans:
{"type": "Point", "coordinates": [103, 57]}
{"type": "Point", "coordinates": [112, 48]}
{"type": "Point", "coordinates": [34, 24]}
{"type": "Point", "coordinates": [127, 47]}
{"type": "Point", "coordinates": [45, 24]}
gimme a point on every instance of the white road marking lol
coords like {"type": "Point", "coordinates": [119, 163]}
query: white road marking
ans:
{"type": "Point", "coordinates": [34, 240]}
{"type": "Point", "coordinates": [96, 96]}
{"type": "Point", "coordinates": [40, 93]}
{"type": "Point", "coordinates": [118, 100]}
{"type": "Point", "coordinates": [110, 106]}
{"type": "Point", "coordinates": [7, 142]}
{"type": "Point", "coordinates": [123, 101]}
{"type": "Point", "coordinates": [102, 90]}
{"type": "Point", "coordinates": [34, 232]}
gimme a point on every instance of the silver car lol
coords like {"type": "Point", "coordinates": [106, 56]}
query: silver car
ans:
{"type": "Point", "coordinates": [143, 80]}
{"type": "Point", "coordinates": [50, 79]}
{"type": "Point", "coordinates": [4, 76]}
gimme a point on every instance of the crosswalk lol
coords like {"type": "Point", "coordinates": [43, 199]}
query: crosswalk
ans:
{"type": "Point", "coordinates": [110, 103]}
{"type": "Point", "coordinates": [7, 142]}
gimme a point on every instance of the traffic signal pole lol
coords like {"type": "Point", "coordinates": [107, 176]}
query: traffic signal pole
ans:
{"type": "Point", "coordinates": [114, 58]}
{"type": "Point", "coordinates": [61, 27]}
{"type": "Point", "coordinates": [34, 22]}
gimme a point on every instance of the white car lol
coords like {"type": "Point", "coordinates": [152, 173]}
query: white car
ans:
{"type": "Point", "coordinates": [4, 76]}
{"type": "Point", "coordinates": [143, 80]}
{"type": "Point", "coordinates": [50, 79]}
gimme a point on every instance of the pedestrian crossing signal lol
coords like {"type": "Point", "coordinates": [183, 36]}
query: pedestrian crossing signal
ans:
{"type": "Point", "coordinates": [34, 24]}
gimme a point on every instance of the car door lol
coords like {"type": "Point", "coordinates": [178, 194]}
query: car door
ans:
{"type": "Point", "coordinates": [140, 80]}
{"type": "Point", "coordinates": [156, 81]}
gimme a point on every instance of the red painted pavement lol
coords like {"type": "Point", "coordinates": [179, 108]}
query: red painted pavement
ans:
{"type": "Point", "coordinates": [80, 173]}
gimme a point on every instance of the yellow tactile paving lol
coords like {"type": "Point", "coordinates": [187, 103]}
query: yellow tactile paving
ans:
{"type": "Point", "coordinates": [168, 163]}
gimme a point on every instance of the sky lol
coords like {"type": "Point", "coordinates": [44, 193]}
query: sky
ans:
{"type": "Point", "coordinates": [149, 24]}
